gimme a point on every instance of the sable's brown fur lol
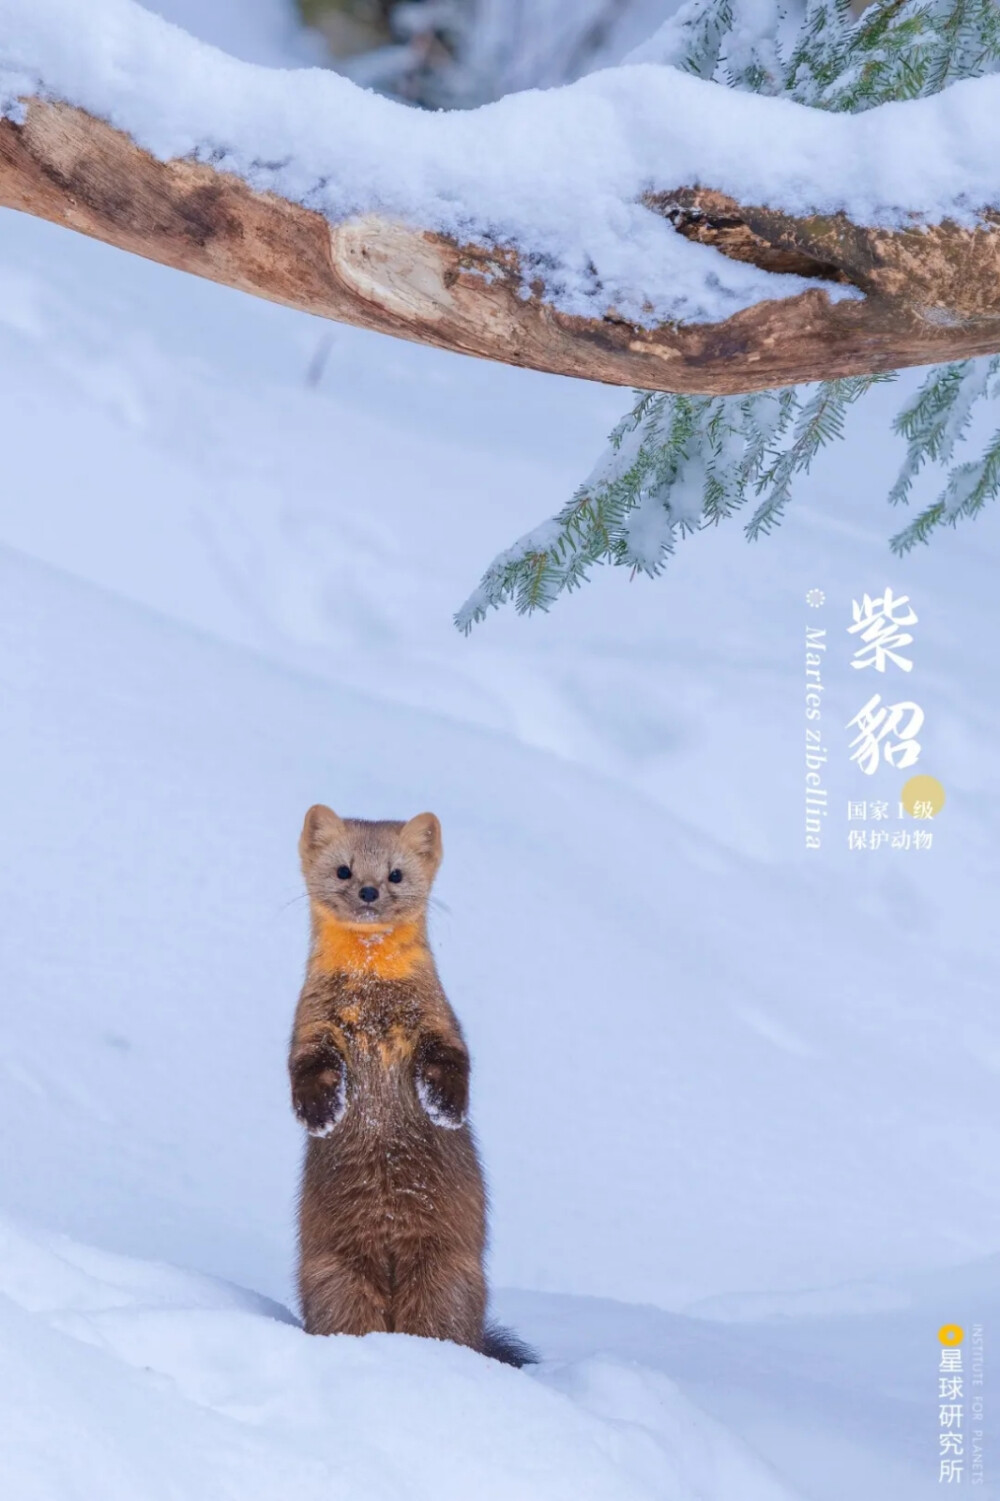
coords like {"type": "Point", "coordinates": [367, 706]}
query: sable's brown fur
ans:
{"type": "Point", "coordinates": [392, 1212]}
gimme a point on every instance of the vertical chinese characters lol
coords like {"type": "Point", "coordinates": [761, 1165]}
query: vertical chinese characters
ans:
{"type": "Point", "coordinates": [886, 732]}
{"type": "Point", "coordinates": [877, 622]}
{"type": "Point", "coordinates": [951, 1411]}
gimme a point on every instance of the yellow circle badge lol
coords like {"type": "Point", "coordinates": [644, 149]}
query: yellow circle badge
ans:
{"type": "Point", "coordinates": [922, 797]}
{"type": "Point", "coordinates": [951, 1334]}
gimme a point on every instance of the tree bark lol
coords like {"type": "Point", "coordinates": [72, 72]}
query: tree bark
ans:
{"type": "Point", "coordinates": [931, 294]}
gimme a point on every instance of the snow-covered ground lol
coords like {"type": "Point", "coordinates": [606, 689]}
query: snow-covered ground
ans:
{"type": "Point", "coordinates": [737, 1101]}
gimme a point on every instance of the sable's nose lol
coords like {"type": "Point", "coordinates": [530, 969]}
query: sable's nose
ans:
{"type": "Point", "coordinates": [368, 893]}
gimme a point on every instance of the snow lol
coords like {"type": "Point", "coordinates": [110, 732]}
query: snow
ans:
{"type": "Point", "coordinates": [166, 1385]}
{"type": "Point", "coordinates": [737, 1105]}
{"type": "Point", "coordinates": [557, 173]}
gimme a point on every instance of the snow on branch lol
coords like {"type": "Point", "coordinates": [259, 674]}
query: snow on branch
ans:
{"type": "Point", "coordinates": [642, 227]}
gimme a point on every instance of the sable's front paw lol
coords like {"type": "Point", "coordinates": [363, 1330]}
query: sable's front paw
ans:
{"type": "Point", "coordinates": [320, 1100]}
{"type": "Point", "coordinates": [442, 1083]}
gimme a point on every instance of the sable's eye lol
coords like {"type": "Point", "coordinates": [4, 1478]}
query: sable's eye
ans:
{"type": "Point", "coordinates": [343, 872]}
{"type": "Point", "coordinates": [396, 875]}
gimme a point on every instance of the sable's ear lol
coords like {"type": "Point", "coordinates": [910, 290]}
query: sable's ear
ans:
{"type": "Point", "coordinates": [423, 836]}
{"type": "Point", "coordinates": [321, 825]}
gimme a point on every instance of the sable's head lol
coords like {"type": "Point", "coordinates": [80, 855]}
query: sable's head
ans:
{"type": "Point", "coordinates": [361, 872]}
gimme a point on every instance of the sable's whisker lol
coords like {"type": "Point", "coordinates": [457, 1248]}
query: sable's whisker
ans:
{"type": "Point", "coordinates": [299, 897]}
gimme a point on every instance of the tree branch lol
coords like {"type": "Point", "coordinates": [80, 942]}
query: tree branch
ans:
{"type": "Point", "coordinates": [931, 294]}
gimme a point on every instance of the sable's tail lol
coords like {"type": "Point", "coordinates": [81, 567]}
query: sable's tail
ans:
{"type": "Point", "coordinates": [500, 1344]}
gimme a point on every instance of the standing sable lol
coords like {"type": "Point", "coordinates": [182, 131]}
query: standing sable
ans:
{"type": "Point", "coordinates": [392, 1222]}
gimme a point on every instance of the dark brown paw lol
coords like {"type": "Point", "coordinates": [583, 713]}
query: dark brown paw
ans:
{"type": "Point", "coordinates": [319, 1099]}
{"type": "Point", "coordinates": [442, 1083]}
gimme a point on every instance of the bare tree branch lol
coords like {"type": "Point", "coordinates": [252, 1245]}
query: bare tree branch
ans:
{"type": "Point", "coordinates": [931, 294]}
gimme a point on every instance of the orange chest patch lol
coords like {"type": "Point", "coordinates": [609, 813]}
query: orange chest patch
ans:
{"type": "Point", "coordinates": [378, 953]}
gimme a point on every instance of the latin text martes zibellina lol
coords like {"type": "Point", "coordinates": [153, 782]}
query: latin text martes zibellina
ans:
{"type": "Point", "coordinates": [816, 798]}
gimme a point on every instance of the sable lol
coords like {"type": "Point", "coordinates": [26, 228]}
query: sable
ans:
{"type": "Point", "coordinates": [392, 1222]}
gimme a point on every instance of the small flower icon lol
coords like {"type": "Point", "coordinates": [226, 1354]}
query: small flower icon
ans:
{"type": "Point", "coordinates": [815, 598]}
